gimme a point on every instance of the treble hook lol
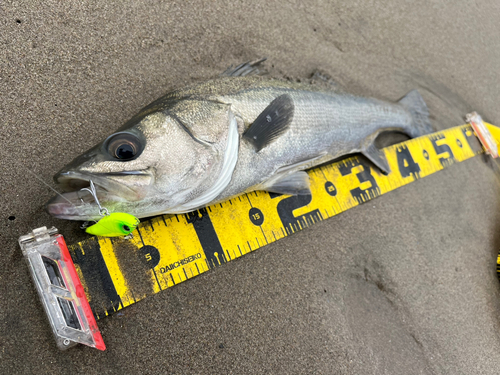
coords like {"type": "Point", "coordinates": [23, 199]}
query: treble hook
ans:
{"type": "Point", "coordinates": [103, 211]}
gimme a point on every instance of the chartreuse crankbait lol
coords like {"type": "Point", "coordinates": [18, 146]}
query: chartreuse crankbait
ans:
{"type": "Point", "coordinates": [117, 224]}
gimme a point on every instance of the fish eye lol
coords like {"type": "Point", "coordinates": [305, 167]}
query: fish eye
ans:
{"type": "Point", "coordinates": [126, 228]}
{"type": "Point", "coordinates": [123, 146]}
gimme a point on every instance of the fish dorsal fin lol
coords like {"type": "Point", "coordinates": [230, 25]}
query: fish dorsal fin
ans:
{"type": "Point", "coordinates": [246, 69]}
{"type": "Point", "coordinates": [294, 184]}
{"type": "Point", "coordinates": [271, 123]}
{"type": "Point", "coordinates": [377, 157]}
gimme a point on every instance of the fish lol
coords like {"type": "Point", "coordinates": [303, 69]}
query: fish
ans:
{"type": "Point", "coordinates": [237, 133]}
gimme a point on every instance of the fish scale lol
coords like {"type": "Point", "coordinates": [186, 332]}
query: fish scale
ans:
{"type": "Point", "coordinates": [323, 124]}
{"type": "Point", "coordinates": [193, 148]}
{"type": "Point", "coordinates": [171, 249]}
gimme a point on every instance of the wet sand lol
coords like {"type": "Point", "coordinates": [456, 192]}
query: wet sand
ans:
{"type": "Point", "coordinates": [404, 284]}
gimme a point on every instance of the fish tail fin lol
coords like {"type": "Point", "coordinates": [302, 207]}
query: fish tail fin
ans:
{"type": "Point", "coordinates": [415, 104]}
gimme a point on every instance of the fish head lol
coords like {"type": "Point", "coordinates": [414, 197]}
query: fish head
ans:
{"type": "Point", "coordinates": [162, 161]}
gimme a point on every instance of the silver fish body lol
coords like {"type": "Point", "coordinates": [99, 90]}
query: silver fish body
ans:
{"type": "Point", "coordinates": [192, 147]}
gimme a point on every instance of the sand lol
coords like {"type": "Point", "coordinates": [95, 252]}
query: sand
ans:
{"type": "Point", "coordinates": [404, 284]}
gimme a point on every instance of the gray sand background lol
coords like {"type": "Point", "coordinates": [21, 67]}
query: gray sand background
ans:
{"type": "Point", "coordinates": [405, 284]}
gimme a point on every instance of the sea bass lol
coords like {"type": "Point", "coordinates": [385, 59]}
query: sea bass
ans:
{"type": "Point", "coordinates": [214, 140]}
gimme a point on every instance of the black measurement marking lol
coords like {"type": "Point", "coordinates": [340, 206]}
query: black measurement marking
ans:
{"type": "Point", "coordinates": [149, 256]}
{"type": "Point", "coordinates": [228, 255]}
{"type": "Point", "coordinates": [140, 235]}
{"type": "Point", "coordinates": [197, 269]}
{"type": "Point", "coordinates": [323, 173]}
{"type": "Point", "coordinates": [250, 247]}
{"type": "Point", "coordinates": [157, 281]}
{"type": "Point", "coordinates": [164, 222]}
{"type": "Point", "coordinates": [133, 296]}
{"type": "Point", "coordinates": [164, 280]}
{"type": "Point", "coordinates": [151, 224]}
{"type": "Point", "coordinates": [360, 195]}
{"type": "Point", "coordinates": [256, 216]}
{"type": "Point", "coordinates": [185, 273]}
{"type": "Point", "coordinates": [265, 238]}
{"type": "Point", "coordinates": [443, 149]}
{"type": "Point", "coordinates": [459, 143]}
{"type": "Point", "coordinates": [406, 164]}
{"type": "Point", "coordinates": [330, 188]}
{"type": "Point", "coordinates": [246, 195]}
{"type": "Point", "coordinates": [426, 155]}
{"type": "Point", "coordinates": [274, 236]}
{"type": "Point", "coordinates": [177, 218]}
{"type": "Point", "coordinates": [207, 236]}
{"type": "Point", "coordinates": [97, 278]}
{"type": "Point", "coordinates": [172, 278]}
{"type": "Point", "coordinates": [239, 249]}
{"type": "Point", "coordinates": [286, 207]}
{"type": "Point", "coordinates": [327, 187]}
{"type": "Point", "coordinates": [472, 140]}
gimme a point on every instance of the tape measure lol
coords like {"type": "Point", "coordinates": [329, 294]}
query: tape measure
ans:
{"type": "Point", "coordinates": [170, 249]}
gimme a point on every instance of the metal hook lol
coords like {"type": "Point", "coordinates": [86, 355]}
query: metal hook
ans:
{"type": "Point", "coordinates": [103, 211]}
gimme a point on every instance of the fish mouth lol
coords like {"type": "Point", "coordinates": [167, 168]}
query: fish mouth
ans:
{"type": "Point", "coordinates": [78, 204]}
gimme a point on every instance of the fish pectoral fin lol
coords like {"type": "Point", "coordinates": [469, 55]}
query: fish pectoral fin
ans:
{"type": "Point", "coordinates": [377, 157]}
{"type": "Point", "coordinates": [246, 69]}
{"type": "Point", "coordinates": [271, 123]}
{"type": "Point", "coordinates": [293, 184]}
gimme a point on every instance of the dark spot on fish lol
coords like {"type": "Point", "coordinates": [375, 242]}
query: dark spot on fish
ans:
{"type": "Point", "coordinates": [55, 105]}
{"type": "Point", "coordinates": [221, 346]}
{"type": "Point", "coordinates": [12, 218]}
{"type": "Point", "coordinates": [18, 20]}
{"type": "Point", "coordinates": [314, 29]}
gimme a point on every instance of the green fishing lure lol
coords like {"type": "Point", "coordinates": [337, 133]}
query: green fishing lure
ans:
{"type": "Point", "coordinates": [117, 224]}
